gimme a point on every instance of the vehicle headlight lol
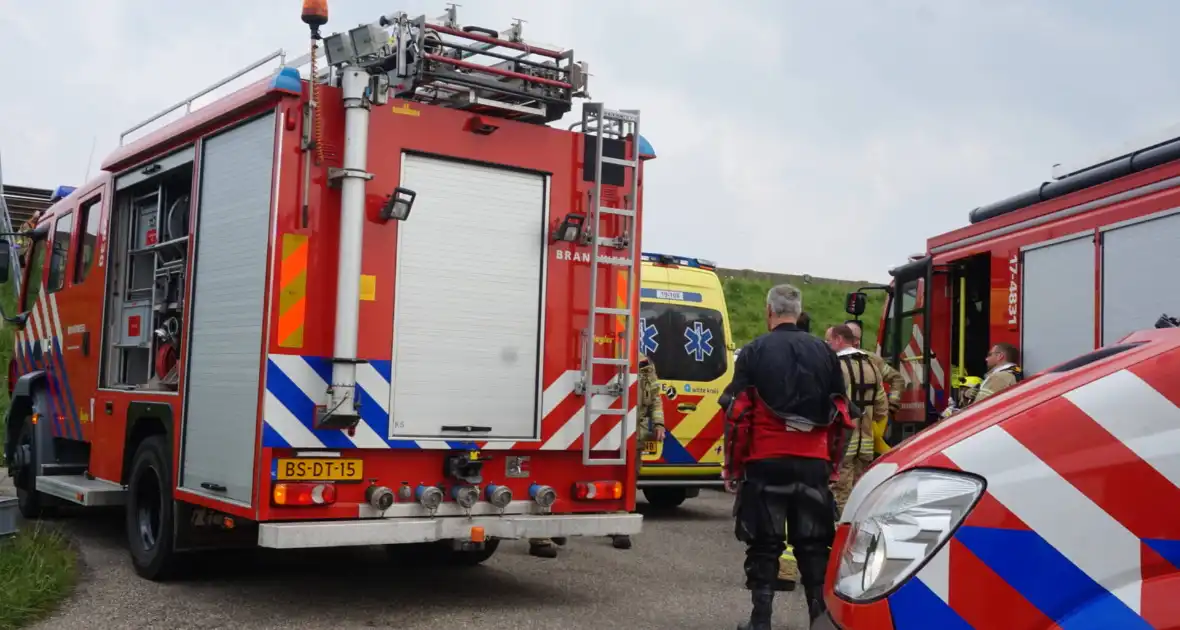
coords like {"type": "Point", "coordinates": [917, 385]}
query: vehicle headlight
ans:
{"type": "Point", "coordinates": [900, 524]}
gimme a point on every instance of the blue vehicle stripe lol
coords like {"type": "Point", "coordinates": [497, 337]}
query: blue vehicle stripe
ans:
{"type": "Point", "coordinates": [69, 392]}
{"type": "Point", "coordinates": [53, 372]}
{"type": "Point", "coordinates": [674, 452]}
{"type": "Point", "coordinates": [914, 606]}
{"type": "Point", "coordinates": [384, 368]}
{"type": "Point", "coordinates": [301, 406]}
{"type": "Point", "coordinates": [322, 366]}
{"type": "Point", "coordinates": [271, 438]}
{"type": "Point", "coordinates": [1167, 549]}
{"type": "Point", "coordinates": [373, 414]}
{"type": "Point", "coordinates": [1048, 580]}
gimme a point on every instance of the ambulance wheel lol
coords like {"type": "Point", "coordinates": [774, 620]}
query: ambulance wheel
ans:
{"type": "Point", "coordinates": [665, 498]}
{"type": "Point", "coordinates": [149, 517]}
{"type": "Point", "coordinates": [32, 504]}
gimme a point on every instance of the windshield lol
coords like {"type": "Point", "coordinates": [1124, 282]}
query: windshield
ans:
{"type": "Point", "coordinates": [686, 343]}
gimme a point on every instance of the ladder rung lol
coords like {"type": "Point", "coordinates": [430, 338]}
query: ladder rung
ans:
{"type": "Point", "coordinates": [619, 162]}
{"type": "Point", "coordinates": [603, 310]}
{"type": "Point", "coordinates": [605, 390]}
{"type": "Point", "coordinates": [619, 211]}
{"type": "Point", "coordinates": [614, 114]}
{"type": "Point", "coordinates": [606, 241]}
{"type": "Point", "coordinates": [609, 361]}
{"type": "Point", "coordinates": [615, 260]}
{"type": "Point", "coordinates": [608, 412]}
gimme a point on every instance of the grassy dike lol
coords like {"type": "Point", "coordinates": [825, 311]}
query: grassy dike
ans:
{"type": "Point", "coordinates": [823, 300]}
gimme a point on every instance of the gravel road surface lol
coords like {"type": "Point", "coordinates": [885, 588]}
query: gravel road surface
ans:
{"type": "Point", "coordinates": [683, 573]}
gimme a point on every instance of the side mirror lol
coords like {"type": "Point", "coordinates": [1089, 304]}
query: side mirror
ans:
{"type": "Point", "coordinates": [5, 261]}
{"type": "Point", "coordinates": [854, 303]}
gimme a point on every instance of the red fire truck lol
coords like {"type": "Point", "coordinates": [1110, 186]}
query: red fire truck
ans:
{"type": "Point", "coordinates": [239, 332]}
{"type": "Point", "coordinates": [1069, 266]}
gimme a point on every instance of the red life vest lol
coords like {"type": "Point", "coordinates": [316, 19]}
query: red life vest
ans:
{"type": "Point", "coordinates": [755, 432]}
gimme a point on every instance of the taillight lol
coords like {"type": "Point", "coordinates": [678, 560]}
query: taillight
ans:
{"type": "Point", "coordinates": [304, 493]}
{"type": "Point", "coordinates": [598, 490]}
{"type": "Point", "coordinates": [11, 377]}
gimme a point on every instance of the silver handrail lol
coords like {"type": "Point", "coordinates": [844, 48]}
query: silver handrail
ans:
{"type": "Point", "coordinates": [187, 103]}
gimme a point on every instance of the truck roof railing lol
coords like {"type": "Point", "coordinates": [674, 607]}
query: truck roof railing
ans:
{"type": "Point", "coordinates": [187, 103]}
{"type": "Point", "coordinates": [1140, 143]}
{"type": "Point", "coordinates": [683, 261]}
{"type": "Point", "coordinates": [438, 61]}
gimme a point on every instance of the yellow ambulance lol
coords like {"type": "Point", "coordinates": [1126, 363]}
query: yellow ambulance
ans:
{"type": "Point", "coordinates": [684, 330]}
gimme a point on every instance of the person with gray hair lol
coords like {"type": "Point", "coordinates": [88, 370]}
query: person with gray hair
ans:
{"type": "Point", "coordinates": [781, 408]}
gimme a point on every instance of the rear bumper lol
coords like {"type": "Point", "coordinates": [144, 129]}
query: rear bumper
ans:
{"type": "Point", "coordinates": [391, 531]}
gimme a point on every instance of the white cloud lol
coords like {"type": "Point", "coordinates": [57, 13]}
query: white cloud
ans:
{"type": "Point", "coordinates": [822, 138]}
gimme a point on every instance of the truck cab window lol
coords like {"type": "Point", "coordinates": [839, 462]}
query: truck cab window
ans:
{"type": "Point", "coordinates": [36, 266]}
{"type": "Point", "coordinates": [62, 230]}
{"type": "Point", "coordinates": [89, 216]}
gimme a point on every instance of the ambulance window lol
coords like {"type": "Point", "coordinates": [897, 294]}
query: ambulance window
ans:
{"type": "Point", "coordinates": [62, 229]}
{"type": "Point", "coordinates": [90, 214]}
{"type": "Point", "coordinates": [36, 264]}
{"type": "Point", "coordinates": [686, 343]}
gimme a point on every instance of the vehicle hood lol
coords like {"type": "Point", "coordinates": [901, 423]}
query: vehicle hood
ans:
{"type": "Point", "coordinates": [925, 449]}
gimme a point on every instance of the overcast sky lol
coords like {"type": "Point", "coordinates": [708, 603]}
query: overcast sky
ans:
{"type": "Point", "coordinates": [782, 126]}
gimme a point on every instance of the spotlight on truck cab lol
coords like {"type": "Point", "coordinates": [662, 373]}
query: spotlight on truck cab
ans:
{"type": "Point", "coordinates": [570, 229]}
{"type": "Point", "coordinates": [397, 207]}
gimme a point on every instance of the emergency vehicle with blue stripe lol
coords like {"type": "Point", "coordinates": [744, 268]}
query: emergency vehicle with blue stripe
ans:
{"type": "Point", "coordinates": [1051, 504]}
{"type": "Point", "coordinates": [684, 330]}
{"type": "Point", "coordinates": [239, 331]}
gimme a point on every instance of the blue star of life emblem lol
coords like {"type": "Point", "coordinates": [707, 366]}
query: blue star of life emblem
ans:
{"type": "Point", "coordinates": [648, 333]}
{"type": "Point", "coordinates": [699, 338]}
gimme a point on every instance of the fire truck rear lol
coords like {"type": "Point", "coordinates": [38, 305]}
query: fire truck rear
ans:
{"type": "Point", "coordinates": [1072, 265]}
{"type": "Point", "coordinates": [385, 304]}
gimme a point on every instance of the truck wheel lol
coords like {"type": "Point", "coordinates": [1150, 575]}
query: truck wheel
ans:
{"type": "Point", "coordinates": [32, 504]}
{"type": "Point", "coordinates": [29, 501]}
{"type": "Point", "coordinates": [665, 498]}
{"type": "Point", "coordinates": [150, 533]}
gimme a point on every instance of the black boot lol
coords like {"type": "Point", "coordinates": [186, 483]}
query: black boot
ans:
{"type": "Point", "coordinates": [815, 600]}
{"type": "Point", "coordinates": [763, 600]}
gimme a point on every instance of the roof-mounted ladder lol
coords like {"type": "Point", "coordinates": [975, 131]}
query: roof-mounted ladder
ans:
{"type": "Point", "coordinates": [619, 261]}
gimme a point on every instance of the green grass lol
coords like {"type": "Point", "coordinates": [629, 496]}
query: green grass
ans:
{"type": "Point", "coordinates": [7, 333]}
{"type": "Point", "coordinates": [37, 569]}
{"type": "Point", "coordinates": [823, 300]}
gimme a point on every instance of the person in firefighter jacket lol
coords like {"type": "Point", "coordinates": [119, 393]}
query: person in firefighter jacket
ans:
{"type": "Point", "coordinates": [782, 415]}
{"type": "Point", "coordinates": [889, 375]}
{"type": "Point", "coordinates": [650, 413]}
{"type": "Point", "coordinates": [868, 397]}
{"type": "Point", "coordinates": [1002, 373]}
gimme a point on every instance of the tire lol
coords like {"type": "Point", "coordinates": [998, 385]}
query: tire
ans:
{"type": "Point", "coordinates": [150, 513]}
{"type": "Point", "coordinates": [32, 504]}
{"type": "Point", "coordinates": [440, 553]}
{"type": "Point", "coordinates": [665, 498]}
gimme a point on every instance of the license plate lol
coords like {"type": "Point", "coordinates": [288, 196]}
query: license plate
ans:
{"type": "Point", "coordinates": [315, 469]}
{"type": "Point", "coordinates": [649, 447]}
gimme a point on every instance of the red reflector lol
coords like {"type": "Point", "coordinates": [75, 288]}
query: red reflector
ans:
{"type": "Point", "coordinates": [304, 493]}
{"type": "Point", "coordinates": [598, 490]}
